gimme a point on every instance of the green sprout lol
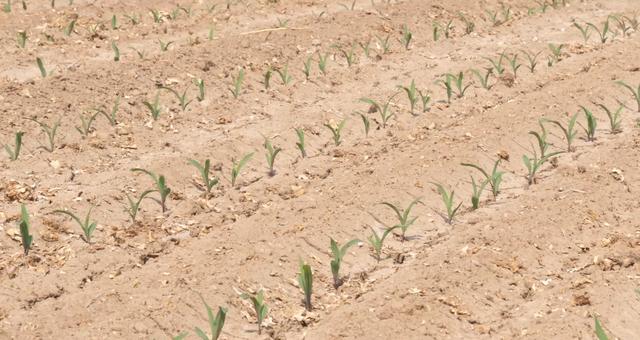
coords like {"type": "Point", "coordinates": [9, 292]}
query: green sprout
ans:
{"type": "Point", "coordinates": [349, 8]}
{"type": "Point", "coordinates": [584, 30]}
{"type": "Point", "coordinates": [336, 131]}
{"type": "Point", "coordinates": [447, 199]}
{"type": "Point", "coordinates": [164, 46]}
{"type": "Point", "coordinates": [15, 152]}
{"type": "Point", "coordinates": [497, 63]}
{"type": "Point", "coordinates": [215, 323]}
{"type": "Point", "coordinates": [602, 33]}
{"type": "Point", "coordinates": [267, 78]}
{"type": "Point", "coordinates": [237, 167]}
{"type": "Point", "coordinates": [87, 226]}
{"type": "Point", "coordinates": [484, 79]}
{"type": "Point", "coordinates": [513, 62]}
{"type": "Point", "coordinates": [425, 98]}
{"type": "Point", "coordinates": [182, 98]}
{"type": "Point", "coordinates": [203, 170]}
{"type": "Point", "coordinates": [384, 43]}
{"type": "Point", "coordinates": [338, 254]}
{"type": "Point", "coordinates": [506, 13]}
{"type": "Point", "coordinates": [25, 225]}
{"type": "Point", "coordinates": [592, 123]}
{"type": "Point", "coordinates": [556, 52]}
{"type": "Point", "coordinates": [40, 63]}
{"type": "Point", "coordinates": [493, 17]}
{"type": "Point", "coordinates": [237, 84]}
{"type": "Point", "coordinates": [349, 55]}
{"type": "Point", "coordinates": [161, 187]}
{"type": "Point", "coordinates": [134, 205]}
{"type": "Point", "coordinates": [569, 132]}
{"type": "Point", "coordinates": [114, 22]}
{"type": "Point", "coordinates": [157, 16]}
{"type": "Point", "coordinates": [322, 63]}
{"type": "Point", "coordinates": [7, 7]}
{"type": "Point", "coordinates": [634, 92]}
{"type": "Point", "coordinates": [305, 279]}
{"type": "Point", "coordinates": [86, 123]}
{"type": "Point", "coordinates": [383, 110]}
{"type": "Point", "coordinates": [70, 27]}
{"type": "Point", "coordinates": [406, 36]}
{"type": "Point", "coordinates": [614, 118]}
{"type": "Point", "coordinates": [154, 108]}
{"type": "Point", "coordinates": [200, 84]}
{"type": "Point", "coordinates": [140, 53]}
{"type": "Point", "coordinates": [307, 67]}
{"type": "Point", "coordinates": [494, 178]}
{"type": "Point", "coordinates": [259, 307]}
{"type": "Point", "coordinates": [116, 51]}
{"type": "Point", "coordinates": [600, 333]}
{"type": "Point", "coordinates": [477, 192]}
{"type": "Point", "coordinates": [50, 131]}
{"type": "Point", "coordinates": [284, 75]}
{"type": "Point", "coordinates": [532, 60]}
{"type": "Point", "coordinates": [458, 79]}
{"type": "Point", "coordinates": [366, 123]}
{"type": "Point", "coordinates": [377, 241]}
{"type": "Point", "coordinates": [446, 29]}
{"type": "Point", "coordinates": [469, 25]}
{"type": "Point", "coordinates": [366, 47]}
{"type": "Point", "coordinates": [300, 143]}
{"type": "Point", "coordinates": [412, 94]}
{"type": "Point", "coordinates": [404, 222]}
{"type": "Point", "coordinates": [22, 38]}
{"type": "Point", "coordinates": [533, 165]}
{"type": "Point", "coordinates": [271, 154]}
{"type": "Point", "coordinates": [134, 19]}
{"type": "Point", "coordinates": [212, 33]}
{"type": "Point", "coordinates": [111, 117]}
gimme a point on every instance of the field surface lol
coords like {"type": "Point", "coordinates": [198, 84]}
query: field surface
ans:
{"type": "Point", "coordinates": [543, 258]}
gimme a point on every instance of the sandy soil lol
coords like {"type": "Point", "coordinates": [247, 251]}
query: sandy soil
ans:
{"type": "Point", "coordinates": [540, 261]}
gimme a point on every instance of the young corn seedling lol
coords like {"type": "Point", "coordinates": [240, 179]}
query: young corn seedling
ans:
{"type": "Point", "coordinates": [336, 131]}
{"type": "Point", "coordinates": [114, 22]}
{"type": "Point", "coordinates": [484, 78]}
{"type": "Point", "coordinates": [614, 118]}
{"type": "Point", "coordinates": [134, 205]}
{"type": "Point", "coordinates": [307, 68]}
{"type": "Point", "coordinates": [366, 47]}
{"type": "Point", "coordinates": [493, 17]}
{"type": "Point", "coordinates": [600, 333]}
{"type": "Point", "coordinates": [377, 241]}
{"type": "Point", "coordinates": [200, 84]}
{"type": "Point", "coordinates": [203, 170]}
{"type": "Point", "coordinates": [338, 254]}
{"type": "Point", "coordinates": [161, 187]}
{"type": "Point", "coordinates": [349, 8]}
{"type": "Point", "coordinates": [383, 110]}
{"type": "Point", "coordinates": [25, 225]}
{"type": "Point", "coordinates": [182, 98]}
{"type": "Point", "coordinates": [87, 226]}
{"type": "Point", "coordinates": [141, 53]}
{"type": "Point", "coordinates": [22, 38]}
{"type": "Point", "coordinates": [15, 152]}
{"type": "Point", "coordinates": [439, 29]}
{"type": "Point", "coordinates": [601, 33]}
{"type": "Point", "coordinates": [494, 178]}
{"type": "Point", "coordinates": [622, 25]}
{"type": "Point", "coordinates": [267, 78]}
{"type": "Point", "coordinates": [134, 19]}
{"type": "Point", "coordinates": [497, 64]}
{"type": "Point", "coordinates": [50, 131]}
{"type": "Point", "coordinates": [569, 132]}
{"type": "Point", "coordinates": [164, 46]}
{"type": "Point", "coordinates": [271, 154]}
{"type": "Point", "coordinates": [406, 37]}
{"type": "Point", "coordinates": [366, 123]}
{"type": "Point", "coordinates": [448, 87]}
{"type": "Point", "coordinates": [7, 7]}
{"type": "Point", "coordinates": [532, 60]}
{"type": "Point", "coordinates": [541, 138]}
{"type": "Point", "coordinates": [305, 279]}
{"type": "Point", "coordinates": [237, 167]}
{"type": "Point", "coordinates": [513, 62]}
{"type": "Point", "coordinates": [404, 222]}
{"type": "Point", "coordinates": [284, 75]}
{"type": "Point", "coordinates": [534, 164]}
{"type": "Point", "coordinates": [477, 192]}
{"type": "Point", "coordinates": [447, 199]}
{"type": "Point", "coordinates": [584, 30]}
{"type": "Point", "coordinates": [469, 25]}
{"type": "Point", "coordinates": [215, 323]}
{"type": "Point", "coordinates": [116, 51]}
{"type": "Point", "coordinates": [111, 117]}
{"type": "Point", "coordinates": [300, 143]}
{"type": "Point", "coordinates": [43, 71]}
{"type": "Point", "coordinates": [634, 92]}
{"type": "Point", "coordinates": [86, 124]}
{"type": "Point", "coordinates": [212, 33]}
{"type": "Point", "coordinates": [259, 306]}
{"type": "Point", "coordinates": [349, 55]}
{"type": "Point", "coordinates": [592, 123]}
{"type": "Point", "coordinates": [412, 94]}
{"type": "Point", "coordinates": [157, 16]}
{"type": "Point", "coordinates": [506, 13]}
{"type": "Point", "coordinates": [70, 27]}
{"type": "Point", "coordinates": [154, 108]}
{"type": "Point", "coordinates": [425, 98]}
{"type": "Point", "coordinates": [237, 84]}
{"type": "Point", "coordinates": [322, 63]}
{"type": "Point", "coordinates": [384, 44]}
{"type": "Point", "coordinates": [556, 52]}
{"type": "Point", "coordinates": [459, 78]}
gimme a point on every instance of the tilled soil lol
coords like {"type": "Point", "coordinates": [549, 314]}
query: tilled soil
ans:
{"type": "Point", "coordinates": [538, 261]}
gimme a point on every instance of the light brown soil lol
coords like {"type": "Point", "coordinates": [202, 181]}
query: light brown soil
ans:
{"type": "Point", "coordinates": [540, 262]}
